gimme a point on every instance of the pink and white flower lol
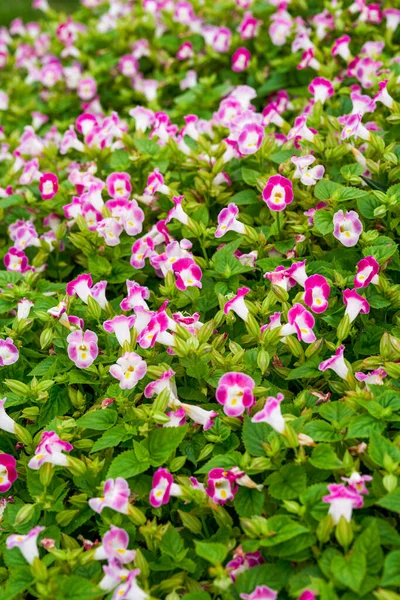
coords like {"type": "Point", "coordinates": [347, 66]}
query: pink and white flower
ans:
{"type": "Point", "coordinates": [367, 272]}
{"type": "Point", "coordinates": [342, 501]}
{"type": "Point", "coordinates": [249, 26]}
{"type": "Point", "coordinates": [155, 329]}
{"type": "Point", "coordinates": [307, 176]}
{"type": "Point", "coordinates": [238, 305]}
{"type": "Point", "coordinates": [297, 272]}
{"type": "Point", "coordinates": [300, 130]}
{"type": "Point", "coordinates": [242, 561]}
{"type": "Point", "coordinates": [316, 293]}
{"type": "Point", "coordinates": [240, 60]}
{"type": "Point", "coordinates": [87, 88]}
{"type": "Point", "coordinates": [250, 139]}
{"type": "Point", "coordinates": [26, 543]}
{"type": "Point", "coordinates": [177, 212]}
{"type": "Point", "coordinates": [374, 377]}
{"type": "Point", "coordinates": [392, 16]}
{"type": "Point", "coordinates": [235, 393]}
{"type": "Point", "coordinates": [162, 488]}
{"type": "Point", "coordinates": [130, 369]}
{"type": "Point", "coordinates": [119, 185]}
{"type": "Point", "coordinates": [8, 472]}
{"type": "Point", "coordinates": [261, 592]}
{"type": "Point", "coordinates": [121, 326]}
{"type": "Point", "coordinates": [383, 95]}
{"type": "Point", "coordinates": [347, 227]}
{"type": "Point", "coordinates": [336, 363]}
{"type": "Point", "coordinates": [115, 495]}
{"type": "Point", "coordinates": [16, 260]}
{"type": "Point", "coordinates": [6, 422]}
{"type": "Point", "coordinates": [143, 248]}
{"type": "Point", "coordinates": [50, 450]}
{"type": "Point", "coordinates": [354, 127]}
{"type": "Point", "coordinates": [129, 589]}
{"type": "Point", "coordinates": [24, 308]}
{"type": "Point", "coordinates": [278, 192]}
{"type": "Point", "coordinates": [48, 186]}
{"type": "Point", "coordinates": [321, 88]}
{"type": "Point", "coordinates": [272, 414]}
{"type": "Point", "coordinates": [356, 482]}
{"type": "Point", "coordinates": [110, 229]}
{"type": "Point", "coordinates": [221, 485]}
{"type": "Point", "coordinates": [188, 274]}
{"type": "Point", "coordinates": [177, 418]}
{"type": "Point", "coordinates": [301, 322]}
{"type": "Point", "coordinates": [155, 183]}
{"type": "Point", "coordinates": [199, 415]}
{"type": "Point", "coordinates": [227, 221]}
{"type": "Point", "coordinates": [82, 348]}
{"type": "Point", "coordinates": [80, 287]}
{"type": "Point", "coordinates": [159, 385]}
{"type": "Point", "coordinates": [137, 296]}
{"type": "Point", "coordinates": [355, 304]}
{"type": "Point", "coordinates": [114, 545]}
{"type": "Point", "coordinates": [128, 65]}
{"type": "Point", "coordinates": [8, 352]}
{"type": "Point", "coordinates": [341, 47]}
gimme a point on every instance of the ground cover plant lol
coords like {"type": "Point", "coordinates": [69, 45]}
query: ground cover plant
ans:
{"type": "Point", "coordinates": [199, 305]}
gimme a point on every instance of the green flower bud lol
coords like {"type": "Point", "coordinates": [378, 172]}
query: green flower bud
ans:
{"type": "Point", "coordinates": [136, 515]}
{"type": "Point", "coordinates": [344, 533]}
{"type": "Point", "coordinates": [24, 515]}
{"type": "Point", "coordinates": [190, 522]}
{"type": "Point", "coordinates": [65, 517]}
{"type": "Point", "coordinates": [46, 338]}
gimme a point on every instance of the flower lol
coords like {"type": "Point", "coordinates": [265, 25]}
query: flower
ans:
{"type": "Point", "coordinates": [16, 260]}
{"type": "Point", "coordinates": [6, 422]}
{"type": "Point", "coordinates": [356, 482]}
{"type": "Point", "coordinates": [355, 304]}
{"type": "Point", "coordinates": [235, 393]}
{"type": "Point", "coordinates": [301, 322]}
{"type": "Point", "coordinates": [221, 485]}
{"type": "Point", "coordinates": [307, 176]}
{"type": "Point", "coordinates": [110, 229]}
{"type": "Point", "coordinates": [321, 88]}
{"type": "Point", "coordinates": [341, 47]}
{"type": "Point", "coordinates": [24, 308]}
{"type": "Point", "coordinates": [8, 353]}
{"type": "Point", "coordinates": [367, 272]}
{"type": "Point", "coordinates": [336, 363]}
{"type": "Point", "coordinates": [115, 546]}
{"type": "Point", "coordinates": [227, 221]}
{"type": "Point", "coordinates": [129, 589]}
{"type": "Point", "coordinates": [347, 227]}
{"type": "Point", "coordinates": [115, 495]}
{"type": "Point", "coordinates": [50, 450]}
{"type": "Point", "coordinates": [137, 296]}
{"type": "Point", "coordinates": [199, 415]}
{"type": "Point", "coordinates": [26, 543]}
{"type": "Point", "coordinates": [8, 472]}
{"type": "Point", "coordinates": [238, 305]}
{"type": "Point", "coordinates": [155, 388]}
{"type": "Point", "coordinates": [242, 561]}
{"type": "Point", "coordinates": [261, 592]}
{"type": "Point", "coordinates": [307, 595]}
{"type": "Point", "coordinates": [121, 326]}
{"type": "Point", "coordinates": [342, 500]}
{"type": "Point", "coordinates": [316, 293]}
{"type": "Point", "coordinates": [130, 369]}
{"type": "Point", "coordinates": [240, 60]}
{"type": "Point", "coordinates": [80, 287]}
{"type": "Point", "coordinates": [375, 377]}
{"type": "Point", "coordinates": [188, 274]}
{"type": "Point", "coordinates": [250, 139]}
{"type": "Point", "coordinates": [278, 192]}
{"type": "Point", "coordinates": [119, 185]}
{"type": "Point", "coordinates": [82, 348]}
{"type": "Point", "coordinates": [48, 186]}
{"type": "Point", "coordinates": [354, 127]}
{"type": "Point", "coordinates": [177, 212]}
{"type": "Point", "coordinates": [162, 488]}
{"type": "Point", "coordinates": [271, 413]}
{"type": "Point", "coordinates": [297, 271]}
{"type": "Point", "coordinates": [177, 418]}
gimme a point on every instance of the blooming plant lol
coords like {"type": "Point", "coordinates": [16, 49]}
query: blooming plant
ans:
{"type": "Point", "coordinates": [200, 300]}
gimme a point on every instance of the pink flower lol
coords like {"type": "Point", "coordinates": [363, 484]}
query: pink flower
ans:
{"type": "Point", "coordinates": [235, 393]}
{"type": "Point", "coordinates": [48, 186]}
{"type": "Point", "coordinates": [355, 304]}
{"type": "Point", "coordinates": [110, 229]}
{"type": "Point", "coordinates": [177, 212]}
{"type": "Point", "coordinates": [238, 305]}
{"type": "Point", "coordinates": [130, 369]}
{"type": "Point", "coordinates": [80, 287]}
{"type": "Point", "coordinates": [121, 326]}
{"type": "Point", "coordinates": [300, 130]}
{"type": "Point", "coordinates": [279, 30]}
{"type": "Point", "coordinates": [6, 423]}
{"type": "Point", "coordinates": [242, 561]}
{"type": "Point", "coordinates": [354, 127]}
{"type": "Point", "coordinates": [307, 595]}
{"type": "Point", "coordinates": [261, 592]}
{"type": "Point", "coordinates": [159, 385]}
{"type": "Point", "coordinates": [16, 260]}
{"type": "Point", "coordinates": [143, 116]}
{"type": "Point", "coordinates": [155, 183]}
{"type": "Point", "coordinates": [383, 95]}
{"type": "Point", "coordinates": [361, 104]}
{"type": "Point", "coordinates": [336, 363]}
{"type": "Point", "coordinates": [271, 414]}
{"type": "Point", "coordinates": [24, 308]}
{"type": "Point", "coordinates": [162, 488]}
{"type": "Point", "coordinates": [85, 123]}
{"type": "Point", "coordinates": [301, 322]}
{"type": "Point", "coordinates": [156, 330]}
{"type": "Point", "coordinates": [317, 293]}
{"type": "Point", "coordinates": [280, 278]}
{"type": "Point", "coordinates": [240, 60]}
{"type": "Point", "coordinates": [307, 176]}
{"type": "Point", "coordinates": [143, 248]}
{"type": "Point", "coordinates": [250, 138]}
{"type": "Point", "coordinates": [356, 482]}
{"type": "Point", "coordinates": [82, 348]}
{"type": "Point", "coordinates": [297, 272]}
{"type": "Point", "coordinates": [341, 47]}
{"type": "Point", "coordinates": [392, 16]}
{"type": "Point", "coordinates": [137, 296]}
{"type": "Point", "coordinates": [115, 495]}
{"type": "Point", "coordinates": [227, 221]}
{"type": "Point", "coordinates": [249, 26]}
{"type": "Point", "coordinates": [374, 377]}
{"type": "Point", "coordinates": [50, 450]}
{"type": "Point", "coordinates": [199, 415]}
{"type": "Point", "coordinates": [129, 589]}
{"type": "Point", "coordinates": [128, 65]}
{"type": "Point", "coordinates": [185, 51]}
{"type": "Point", "coordinates": [188, 274]}
{"type": "Point", "coordinates": [321, 88]}
{"type": "Point", "coordinates": [221, 485]}
{"type": "Point", "coordinates": [8, 472]}
{"type": "Point", "coordinates": [342, 500]}
{"type": "Point", "coordinates": [8, 352]}
{"type": "Point", "coordinates": [347, 227]}
{"type": "Point", "coordinates": [87, 88]}
{"type": "Point", "coordinates": [26, 543]}
{"type": "Point", "coordinates": [115, 546]}
{"type": "Point", "coordinates": [278, 192]}
{"type": "Point", "coordinates": [177, 418]}
{"type": "Point", "coordinates": [119, 185]}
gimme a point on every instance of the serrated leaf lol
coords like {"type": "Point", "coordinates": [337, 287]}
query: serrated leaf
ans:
{"type": "Point", "coordinates": [162, 442]}
{"type": "Point", "coordinates": [213, 552]}
{"type": "Point", "coordinates": [127, 465]}
{"type": "Point", "coordinates": [321, 431]}
{"type": "Point", "coordinates": [254, 436]}
{"type": "Point", "coordinates": [248, 502]}
{"type": "Point", "coordinates": [287, 483]}
{"type": "Point", "coordinates": [110, 438]}
{"type": "Point", "coordinates": [98, 420]}
{"type": "Point", "coordinates": [324, 457]}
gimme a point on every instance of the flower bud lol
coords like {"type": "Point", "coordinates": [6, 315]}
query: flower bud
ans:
{"type": "Point", "coordinates": [263, 359]}
{"type": "Point", "coordinates": [324, 529]}
{"type": "Point", "coordinates": [344, 533]}
{"type": "Point", "coordinates": [190, 522]}
{"type": "Point", "coordinates": [136, 515]}
{"type": "Point", "coordinates": [24, 515]}
{"type": "Point", "coordinates": [392, 369]}
{"type": "Point", "coordinates": [46, 473]}
{"type": "Point", "coordinates": [343, 329]}
{"type": "Point", "coordinates": [46, 338]}
{"type": "Point", "coordinates": [18, 387]}
{"type": "Point", "coordinates": [23, 435]}
{"type": "Point", "coordinates": [39, 569]}
{"type": "Point", "coordinates": [94, 308]}
{"type": "Point", "coordinates": [76, 466]}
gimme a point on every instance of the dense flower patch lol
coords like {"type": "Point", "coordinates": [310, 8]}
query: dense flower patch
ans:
{"type": "Point", "coordinates": [200, 331]}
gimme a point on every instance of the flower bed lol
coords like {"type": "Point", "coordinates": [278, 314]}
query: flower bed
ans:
{"type": "Point", "coordinates": [200, 335]}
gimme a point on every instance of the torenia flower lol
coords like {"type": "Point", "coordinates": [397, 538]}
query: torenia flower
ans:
{"type": "Point", "coordinates": [307, 595]}
{"type": "Point", "coordinates": [119, 185]}
{"type": "Point", "coordinates": [280, 278]}
{"type": "Point", "coordinates": [177, 212]}
{"type": "Point", "coordinates": [80, 287]}
{"type": "Point", "coordinates": [177, 418]}
{"type": "Point", "coordinates": [162, 488]}
{"type": "Point", "coordinates": [347, 227]}
{"type": "Point", "coordinates": [321, 88]}
{"type": "Point", "coordinates": [26, 543]}
{"type": "Point", "coordinates": [121, 326]}
{"type": "Point", "coordinates": [82, 348]}
{"type": "Point", "coordinates": [110, 229]}
{"type": "Point", "coordinates": [238, 305]}
{"type": "Point", "coordinates": [297, 271]}
{"type": "Point", "coordinates": [242, 561]}
{"type": "Point", "coordinates": [8, 472]}
{"type": "Point", "coordinates": [115, 546]}
{"type": "Point", "coordinates": [392, 16]}
{"type": "Point", "coordinates": [271, 414]}
{"type": "Point", "coordinates": [199, 415]}
{"type": "Point", "coordinates": [336, 363]}
{"type": "Point", "coordinates": [24, 308]}
{"type": "Point", "coordinates": [227, 221]}
{"type": "Point", "coordinates": [155, 183]}
{"type": "Point", "coordinates": [235, 393]}
{"type": "Point", "coordinates": [355, 304]}
{"type": "Point", "coordinates": [300, 130]}
{"type": "Point", "coordinates": [354, 127]}
{"type": "Point", "coordinates": [50, 450]}
{"type": "Point", "coordinates": [221, 485]}
{"type": "Point", "coordinates": [262, 592]}
{"type": "Point", "coordinates": [8, 353]}
{"type": "Point", "coordinates": [316, 293]}
{"type": "Point", "coordinates": [115, 495]}
{"type": "Point", "coordinates": [341, 47]}
{"type": "Point", "coordinates": [130, 369]}
{"type": "Point", "coordinates": [129, 590]}
{"type": "Point", "coordinates": [250, 139]}
{"type": "Point", "coordinates": [375, 377]}
{"type": "Point", "coordinates": [6, 423]}
{"type": "Point", "coordinates": [307, 176]}
{"type": "Point", "coordinates": [137, 296]}
{"type": "Point", "coordinates": [356, 482]}
{"type": "Point", "coordinates": [301, 322]}
{"type": "Point", "coordinates": [160, 384]}
{"type": "Point", "coordinates": [278, 192]}
{"type": "Point", "coordinates": [48, 186]}
{"type": "Point", "coordinates": [16, 260]}
{"type": "Point", "coordinates": [143, 248]}
{"type": "Point", "coordinates": [342, 500]}
{"type": "Point", "coordinates": [240, 60]}
{"type": "Point", "coordinates": [367, 272]}
{"type": "Point", "coordinates": [188, 274]}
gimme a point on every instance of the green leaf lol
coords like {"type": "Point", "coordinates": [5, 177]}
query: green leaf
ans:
{"type": "Point", "coordinates": [350, 193]}
{"type": "Point", "coordinates": [226, 263]}
{"type": "Point", "coordinates": [56, 405]}
{"type": "Point", "coordinates": [127, 465]}
{"type": "Point", "coordinates": [248, 502]}
{"type": "Point", "coordinates": [391, 572]}
{"type": "Point", "coordinates": [391, 501]}
{"type": "Point", "coordinates": [379, 446]}
{"type": "Point", "coordinates": [367, 205]}
{"type": "Point", "coordinates": [197, 596]}
{"type": "Point", "coordinates": [362, 426]}
{"type": "Point", "coordinates": [119, 160]}
{"type": "Point", "coordinates": [308, 370]}
{"type": "Point", "coordinates": [110, 438]}
{"type": "Point", "coordinates": [20, 580]}
{"type": "Point", "coordinates": [146, 146]}
{"type": "Point", "coordinates": [254, 436]}
{"type": "Point", "coordinates": [321, 431]}
{"type": "Point", "coordinates": [368, 543]}
{"type": "Point", "coordinates": [12, 200]}
{"type": "Point", "coordinates": [9, 277]}
{"type": "Point", "coordinates": [214, 552]}
{"type": "Point", "coordinates": [274, 575]}
{"type": "Point", "coordinates": [324, 457]}
{"type": "Point", "coordinates": [250, 176]}
{"type": "Point", "coordinates": [98, 419]}
{"type": "Point", "coordinates": [382, 252]}
{"type": "Point", "coordinates": [72, 587]}
{"type": "Point", "coordinates": [350, 570]}
{"type": "Point", "coordinates": [172, 544]}
{"type": "Point", "coordinates": [162, 442]}
{"type": "Point", "coordinates": [323, 222]}
{"type": "Point", "coordinates": [223, 461]}
{"type": "Point", "coordinates": [288, 483]}
{"type": "Point", "coordinates": [352, 170]}
{"type": "Point", "coordinates": [282, 529]}
{"type": "Point", "coordinates": [245, 197]}
{"type": "Point", "coordinates": [324, 189]}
